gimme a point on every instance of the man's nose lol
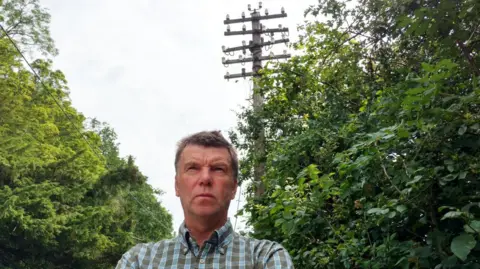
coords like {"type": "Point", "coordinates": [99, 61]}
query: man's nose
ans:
{"type": "Point", "coordinates": [205, 176]}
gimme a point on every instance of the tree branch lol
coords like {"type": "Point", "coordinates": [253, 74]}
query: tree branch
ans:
{"type": "Point", "coordinates": [470, 60]}
{"type": "Point", "coordinates": [19, 20]}
{"type": "Point", "coordinates": [433, 214]}
{"type": "Point", "coordinates": [390, 179]}
{"type": "Point", "coordinates": [11, 28]}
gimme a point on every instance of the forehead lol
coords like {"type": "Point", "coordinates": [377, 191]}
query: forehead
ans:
{"type": "Point", "coordinates": [205, 154]}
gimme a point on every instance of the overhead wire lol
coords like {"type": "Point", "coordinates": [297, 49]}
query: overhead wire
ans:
{"type": "Point", "coordinates": [48, 91]}
{"type": "Point", "coordinates": [149, 211]}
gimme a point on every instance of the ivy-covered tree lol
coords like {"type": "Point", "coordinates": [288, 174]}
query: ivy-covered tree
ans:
{"type": "Point", "coordinates": [373, 138]}
{"type": "Point", "coordinates": [67, 199]}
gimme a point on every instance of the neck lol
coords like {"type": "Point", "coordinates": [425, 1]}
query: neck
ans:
{"type": "Point", "coordinates": [202, 228]}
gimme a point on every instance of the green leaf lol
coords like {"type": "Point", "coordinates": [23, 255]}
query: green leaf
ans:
{"type": "Point", "coordinates": [326, 182]}
{"type": "Point", "coordinates": [313, 172]}
{"type": "Point", "coordinates": [440, 209]}
{"type": "Point", "coordinates": [423, 220]}
{"type": "Point", "coordinates": [415, 91]}
{"type": "Point", "coordinates": [404, 21]}
{"type": "Point", "coordinates": [422, 28]}
{"type": "Point", "coordinates": [475, 127]}
{"type": "Point", "coordinates": [450, 177]}
{"type": "Point", "coordinates": [462, 175]}
{"type": "Point", "coordinates": [438, 169]}
{"type": "Point", "coordinates": [462, 245]}
{"type": "Point", "coordinates": [411, 99]}
{"type": "Point", "coordinates": [378, 211]}
{"type": "Point", "coordinates": [403, 133]}
{"type": "Point", "coordinates": [462, 130]}
{"type": "Point", "coordinates": [275, 209]}
{"type": "Point", "coordinates": [402, 263]}
{"type": "Point", "coordinates": [448, 98]}
{"type": "Point", "coordinates": [446, 63]}
{"type": "Point", "coordinates": [287, 215]}
{"type": "Point", "coordinates": [450, 168]}
{"type": "Point", "coordinates": [301, 181]}
{"type": "Point", "coordinates": [287, 227]}
{"type": "Point", "coordinates": [472, 227]}
{"type": "Point", "coordinates": [427, 67]}
{"type": "Point", "coordinates": [423, 252]}
{"type": "Point", "coordinates": [401, 208]}
{"type": "Point", "coordinates": [415, 180]}
{"type": "Point", "coordinates": [449, 262]}
{"type": "Point", "coordinates": [279, 222]}
{"type": "Point", "coordinates": [453, 215]}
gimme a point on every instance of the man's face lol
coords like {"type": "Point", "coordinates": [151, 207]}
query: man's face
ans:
{"type": "Point", "coordinates": [204, 181]}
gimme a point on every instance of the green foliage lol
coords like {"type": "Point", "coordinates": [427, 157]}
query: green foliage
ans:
{"type": "Point", "coordinates": [67, 199]}
{"type": "Point", "coordinates": [27, 22]}
{"type": "Point", "coordinates": [372, 134]}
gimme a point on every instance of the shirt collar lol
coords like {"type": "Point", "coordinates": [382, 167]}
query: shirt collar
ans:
{"type": "Point", "coordinates": [218, 238]}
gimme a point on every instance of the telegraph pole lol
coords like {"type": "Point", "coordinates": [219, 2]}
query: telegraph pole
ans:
{"type": "Point", "coordinates": [255, 46]}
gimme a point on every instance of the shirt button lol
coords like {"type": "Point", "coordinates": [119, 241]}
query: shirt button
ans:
{"type": "Point", "coordinates": [202, 261]}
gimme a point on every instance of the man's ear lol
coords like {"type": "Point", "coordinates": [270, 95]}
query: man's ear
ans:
{"type": "Point", "coordinates": [176, 186]}
{"type": "Point", "coordinates": [234, 189]}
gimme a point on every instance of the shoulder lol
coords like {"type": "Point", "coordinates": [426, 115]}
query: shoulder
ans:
{"type": "Point", "coordinates": [259, 245]}
{"type": "Point", "coordinates": [143, 252]}
{"type": "Point", "coordinates": [269, 254]}
{"type": "Point", "coordinates": [147, 249]}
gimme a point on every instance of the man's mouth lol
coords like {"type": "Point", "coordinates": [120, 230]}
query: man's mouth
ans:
{"type": "Point", "coordinates": [205, 195]}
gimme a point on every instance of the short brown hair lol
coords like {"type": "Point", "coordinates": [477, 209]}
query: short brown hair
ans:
{"type": "Point", "coordinates": [208, 139]}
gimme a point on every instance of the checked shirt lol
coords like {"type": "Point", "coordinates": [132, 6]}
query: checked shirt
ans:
{"type": "Point", "coordinates": [224, 249]}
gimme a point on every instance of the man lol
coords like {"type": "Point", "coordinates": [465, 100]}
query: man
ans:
{"type": "Point", "coordinates": [206, 167]}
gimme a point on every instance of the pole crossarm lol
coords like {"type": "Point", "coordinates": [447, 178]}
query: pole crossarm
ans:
{"type": "Point", "coordinates": [257, 31]}
{"type": "Point", "coordinates": [268, 43]}
{"type": "Point", "coordinates": [286, 40]}
{"type": "Point", "coordinates": [266, 17]}
{"type": "Point", "coordinates": [261, 58]}
{"type": "Point", "coordinates": [244, 60]}
{"type": "Point", "coordinates": [245, 74]}
{"type": "Point", "coordinates": [237, 48]}
{"type": "Point", "coordinates": [239, 75]}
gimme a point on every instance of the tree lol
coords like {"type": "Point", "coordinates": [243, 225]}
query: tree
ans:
{"type": "Point", "coordinates": [372, 138]}
{"type": "Point", "coordinates": [27, 23]}
{"type": "Point", "coordinates": [67, 199]}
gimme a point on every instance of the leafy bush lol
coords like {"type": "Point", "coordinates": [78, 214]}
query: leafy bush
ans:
{"type": "Point", "coordinates": [372, 138]}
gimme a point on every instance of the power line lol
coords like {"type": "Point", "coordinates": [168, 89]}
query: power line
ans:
{"type": "Point", "coordinates": [149, 211]}
{"type": "Point", "coordinates": [48, 92]}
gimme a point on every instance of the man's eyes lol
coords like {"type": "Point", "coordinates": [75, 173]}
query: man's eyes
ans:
{"type": "Point", "coordinates": [192, 167]}
{"type": "Point", "coordinates": [215, 168]}
{"type": "Point", "coordinates": [221, 169]}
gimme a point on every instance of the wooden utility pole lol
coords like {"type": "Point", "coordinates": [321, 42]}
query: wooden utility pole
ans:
{"type": "Point", "coordinates": [255, 46]}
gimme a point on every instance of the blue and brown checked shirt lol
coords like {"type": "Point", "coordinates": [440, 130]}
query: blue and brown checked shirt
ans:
{"type": "Point", "coordinates": [225, 249]}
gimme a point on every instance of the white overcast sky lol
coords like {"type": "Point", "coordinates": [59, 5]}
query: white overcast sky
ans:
{"type": "Point", "coordinates": [152, 70]}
